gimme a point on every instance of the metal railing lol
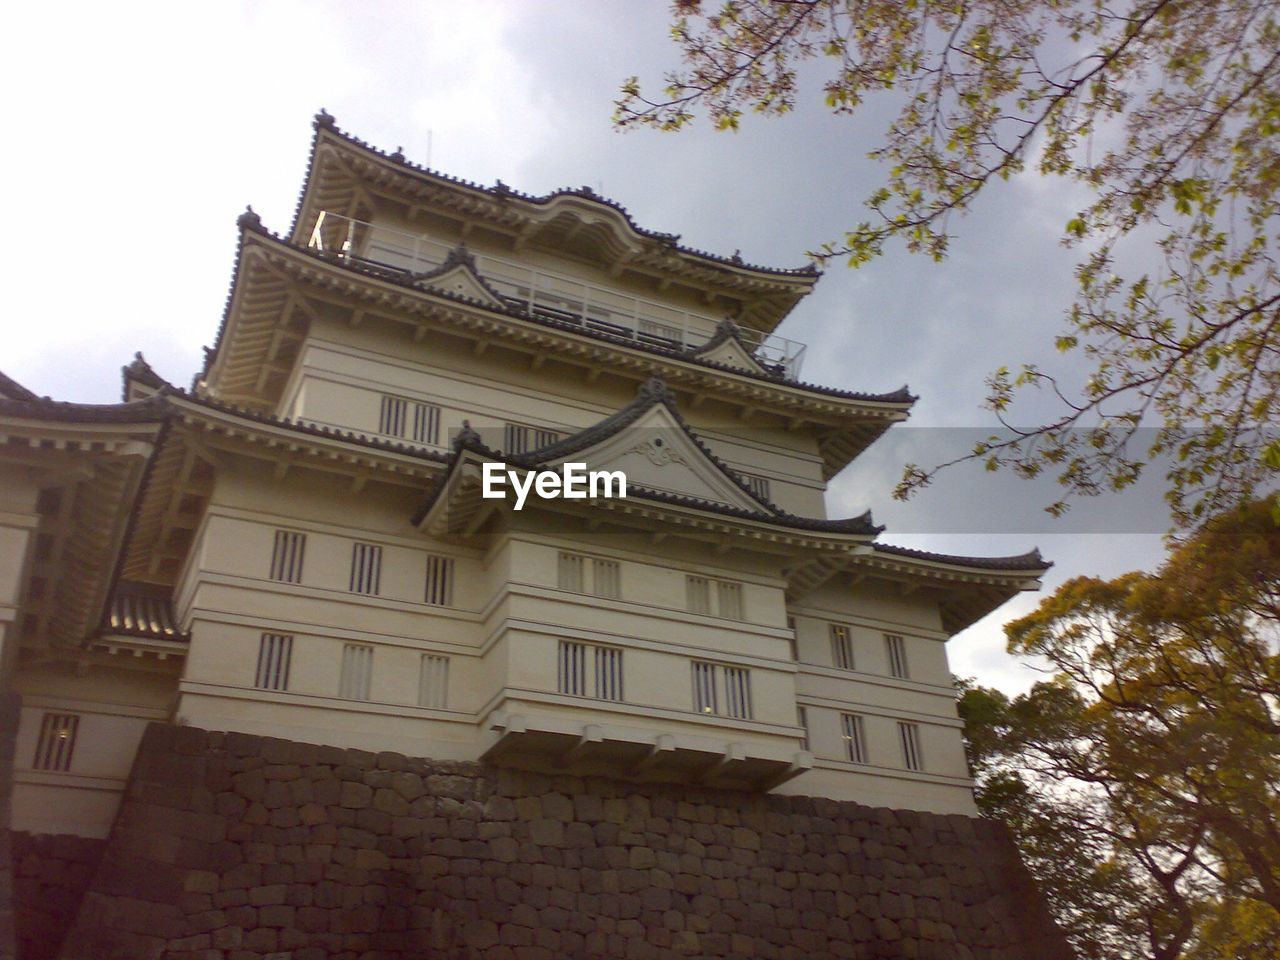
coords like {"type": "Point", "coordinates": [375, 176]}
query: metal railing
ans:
{"type": "Point", "coordinates": [549, 295]}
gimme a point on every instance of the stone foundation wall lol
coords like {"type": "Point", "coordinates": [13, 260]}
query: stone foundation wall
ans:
{"type": "Point", "coordinates": [238, 847]}
{"type": "Point", "coordinates": [50, 876]}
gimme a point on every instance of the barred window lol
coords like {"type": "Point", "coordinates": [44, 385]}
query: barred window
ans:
{"type": "Point", "coordinates": [439, 583]}
{"type": "Point", "coordinates": [698, 591]}
{"type": "Point", "coordinates": [855, 737]}
{"type": "Point", "coordinates": [571, 572]}
{"type": "Point", "coordinates": [909, 738]}
{"type": "Point", "coordinates": [737, 692]}
{"type": "Point", "coordinates": [357, 671]}
{"type": "Point", "coordinates": [366, 568]}
{"type": "Point", "coordinates": [521, 438]}
{"type": "Point", "coordinates": [841, 646]}
{"type": "Point", "coordinates": [275, 650]}
{"type": "Point", "coordinates": [606, 578]}
{"type": "Point", "coordinates": [895, 646]}
{"type": "Point", "coordinates": [57, 741]}
{"type": "Point", "coordinates": [419, 422]}
{"type": "Point", "coordinates": [704, 687]}
{"type": "Point", "coordinates": [722, 598]}
{"type": "Point", "coordinates": [730, 597]}
{"type": "Point", "coordinates": [722, 690]}
{"type": "Point", "coordinates": [757, 485]}
{"type": "Point", "coordinates": [286, 556]}
{"type": "Point", "coordinates": [589, 670]}
{"type": "Point", "coordinates": [433, 681]}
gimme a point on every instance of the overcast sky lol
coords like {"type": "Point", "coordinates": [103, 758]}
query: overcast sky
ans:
{"type": "Point", "coordinates": [138, 132]}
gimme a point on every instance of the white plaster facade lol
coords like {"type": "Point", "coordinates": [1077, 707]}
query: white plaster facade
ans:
{"type": "Point", "coordinates": [297, 547]}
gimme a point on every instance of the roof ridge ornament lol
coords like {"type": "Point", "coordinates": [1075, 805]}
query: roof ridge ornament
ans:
{"type": "Point", "coordinates": [459, 256]}
{"type": "Point", "coordinates": [325, 119]}
{"type": "Point", "coordinates": [655, 390]}
{"type": "Point", "coordinates": [398, 156]}
{"type": "Point", "coordinates": [249, 220]}
{"type": "Point", "coordinates": [467, 436]}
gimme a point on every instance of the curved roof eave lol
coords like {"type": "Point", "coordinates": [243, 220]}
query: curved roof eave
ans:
{"type": "Point", "coordinates": [325, 127]}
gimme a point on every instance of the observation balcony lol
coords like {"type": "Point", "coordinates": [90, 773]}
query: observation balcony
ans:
{"type": "Point", "coordinates": [548, 295]}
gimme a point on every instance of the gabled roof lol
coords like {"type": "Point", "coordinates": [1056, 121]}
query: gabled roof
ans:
{"type": "Point", "coordinates": [652, 394]}
{"type": "Point", "coordinates": [11, 389]}
{"type": "Point", "coordinates": [344, 171]}
{"type": "Point", "coordinates": [140, 380]}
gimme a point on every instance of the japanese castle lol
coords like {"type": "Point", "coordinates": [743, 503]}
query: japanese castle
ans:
{"type": "Point", "coordinates": [299, 544]}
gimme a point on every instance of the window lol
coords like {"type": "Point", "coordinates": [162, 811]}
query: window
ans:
{"type": "Point", "coordinates": [841, 646]}
{"type": "Point", "coordinates": [274, 653]}
{"type": "Point", "coordinates": [698, 591]}
{"type": "Point", "coordinates": [727, 596]}
{"type": "Point", "coordinates": [795, 638]}
{"type": "Point", "coordinates": [730, 597]}
{"type": "Point", "coordinates": [419, 422]}
{"type": "Point", "coordinates": [588, 670]}
{"type": "Point", "coordinates": [521, 438]}
{"type": "Point", "coordinates": [737, 692]}
{"type": "Point", "coordinates": [896, 648]}
{"type": "Point", "coordinates": [286, 556]}
{"type": "Point", "coordinates": [439, 584]}
{"type": "Point", "coordinates": [909, 738]}
{"type": "Point", "coordinates": [571, 572]}
{"type": "Point", "coordinates": [366, 568]}
{"type": "Point", "coordinates": [607, 578]}
{"type": "Point", "coordinates": [802, 718]}
{"type": "Point", "coordinates": [57, 741]}
{"type": "Point", "coordinates": [855, 737]}
{"type": "Point", "coordinates": [757, 485]}
{"type": "Point", "coordinates": [704, 687]}
{"type": "Point", "coordinates": [433, 681]}
{"type": "Point", "coordinates": [357, 671]}
{"type": "Point", "coordinates": [722, 690]}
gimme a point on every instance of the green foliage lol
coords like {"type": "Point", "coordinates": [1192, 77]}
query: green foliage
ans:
{"type": "Point", "coordinates": [1169, 112]}
{"type": "Point", "coordinates": [1142, 781]}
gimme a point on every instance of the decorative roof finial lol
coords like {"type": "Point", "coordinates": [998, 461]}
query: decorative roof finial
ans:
{"type": "Point", "coordinates": [325, 119]}
{"type": "Point", "coordinates": [737, 256]}
{"type": "Point", "coordinates": [466, 436]}
{"type": "Point", "coordinates": [398, 156]}
{"type": "Point", "coordinates": [655, 390]}
{"type": "Point", "coordinates": [249, 220]}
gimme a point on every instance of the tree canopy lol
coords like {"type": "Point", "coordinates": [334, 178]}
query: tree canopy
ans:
{"type": "Point", "coordinates": [1168, 111]}
{"type": "Point", "coordinates": [1142, 782]}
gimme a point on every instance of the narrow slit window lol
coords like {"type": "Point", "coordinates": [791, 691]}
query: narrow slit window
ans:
{"type": "Point", "coordinates": [571, 668]}
{"type": "Point", "coordinates": [705, 676]}
{"type": "Point", "coordinates": [571, 572]}
{"type": "Point", "coordinates": [855, 737]}
{"type": "Point", "coordinates": [909, 737]}
{"type": "Point", "coordinates": [698, 590]}
{"type": "Point", "coordinates": [439, 582]}
{"type": "Point", "coordinates": [410, 420]}
{"type": "Point", "coordinates": [275, 651]}
{"type": "Point", "coordinates": [729, 595]}
{"type": "Point", "coordinates": [841, 647]}
{"type": "Point", "coordinates": [357, 671]}
{"type": "Point", "coordinates": [737, 692]}
{"type": "Point", "coordinates": [795, 639]}
{"type": "Point", "coordinates": [57, 742]}
{"type": "Point", "coordinates": [393, 416]}
{"type": "Point", "coordinates": [606, 578]}
{"type": "Point", "coordinates": [366, 568]}
{"type": "Point", "coordinates": [433, 682]}
{"type": "Point", "coordinates": [802, 719]}
{"type": "Point", "coordinates": [286, 556]}
{"type": "Point", "coordinates": [608, 679]}
{"type": "Point", "coordinates": [896, 649]}
{"type": "Point", "coordinates": [757, 485]}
